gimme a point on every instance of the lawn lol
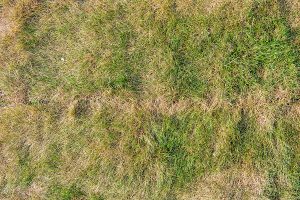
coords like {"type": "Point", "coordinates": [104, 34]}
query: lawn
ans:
{"type": "Point", "coordinates": [150, 99]}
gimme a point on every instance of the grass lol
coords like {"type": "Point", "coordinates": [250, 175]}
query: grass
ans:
{"type": "Point", "coordinates": [150, 100]}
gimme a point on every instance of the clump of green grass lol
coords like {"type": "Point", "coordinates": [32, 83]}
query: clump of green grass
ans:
{"type": "Point", "coordinates": [149, 100]}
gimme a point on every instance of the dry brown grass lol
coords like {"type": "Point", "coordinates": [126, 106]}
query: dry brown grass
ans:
{"type": "Point", "coordinates": [5, 27]}
{"type": "Point", "coordinates": [213, 5]}
{"type": "Point", "coordinates": [235, 183]}
{"type": "Point", "coordinates": [294, 6]}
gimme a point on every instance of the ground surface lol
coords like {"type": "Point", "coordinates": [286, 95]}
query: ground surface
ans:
{"type": "Point", "coordinates": [158, 99]}
{"type": "Point", "coordinates": [3, 27]}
